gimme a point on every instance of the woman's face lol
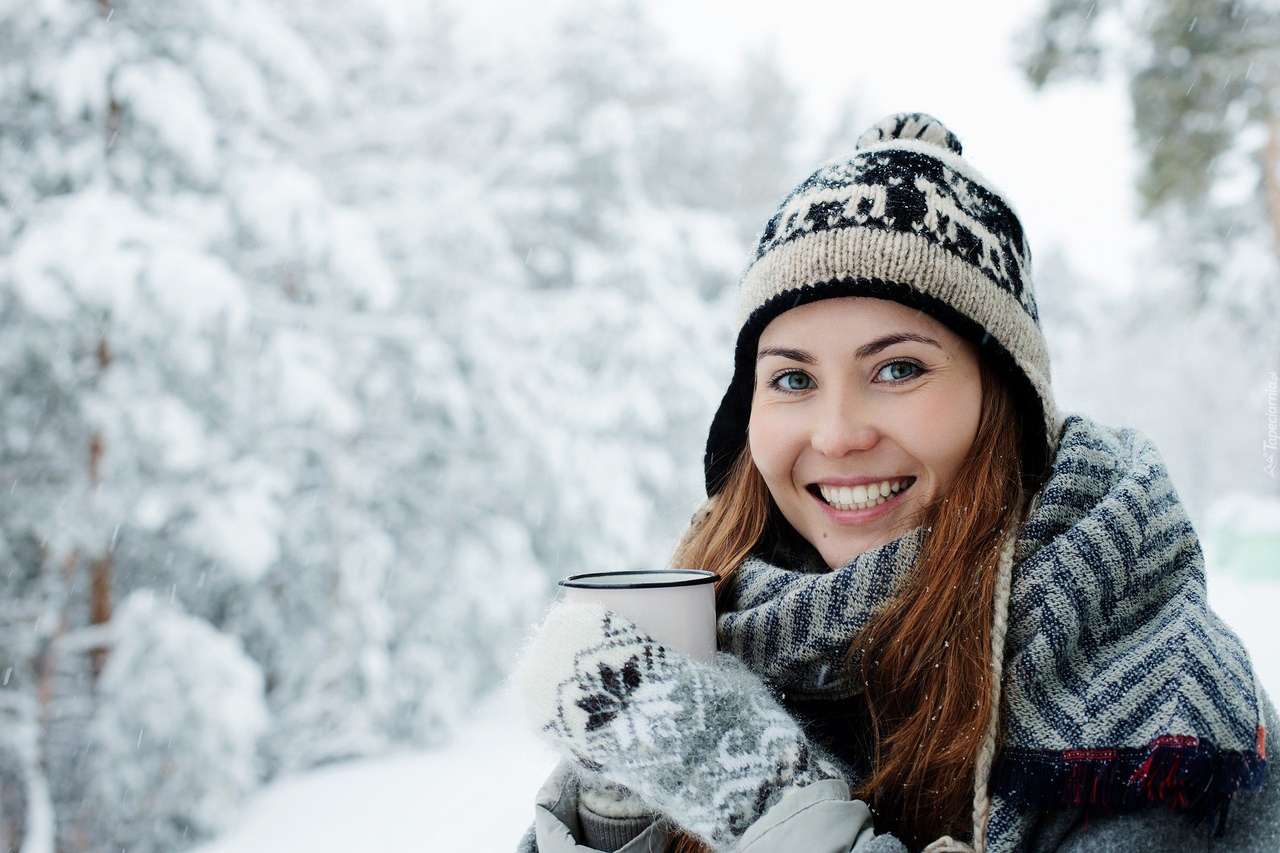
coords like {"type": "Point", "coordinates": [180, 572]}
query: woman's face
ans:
{"type": "Point", "coordinates": [840, 398]}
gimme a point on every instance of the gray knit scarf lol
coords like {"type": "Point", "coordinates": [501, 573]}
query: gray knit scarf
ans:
{"type": "Point", "coordinates": [1120, 686]}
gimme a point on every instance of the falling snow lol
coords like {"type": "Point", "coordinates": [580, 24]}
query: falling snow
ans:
{"type": "Point", "coordinates": [338, 332]}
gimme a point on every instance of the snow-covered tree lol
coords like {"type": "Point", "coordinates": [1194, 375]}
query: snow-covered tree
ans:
{"type": "Point", "coordinates": [163, 402]}
{"type": "Point", "coordinates": [343, 345]}
{"type": "Point", "coordinates": [172, 746]}
{"type": "Point", "coordinates": [1204, 84]}
{"type": "Point", "coordinates": [543, 217]}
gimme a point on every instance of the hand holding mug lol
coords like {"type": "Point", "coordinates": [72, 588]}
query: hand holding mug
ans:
{"type": "Point", "coordinates": [703, 742]}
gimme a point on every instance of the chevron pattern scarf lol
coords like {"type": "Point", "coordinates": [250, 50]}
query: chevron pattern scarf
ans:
{"type": "Point", "coordinates": [1120, 687]}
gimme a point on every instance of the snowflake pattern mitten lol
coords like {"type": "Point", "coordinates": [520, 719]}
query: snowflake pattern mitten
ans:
{"type": "Point", "coordinates": [705, 744]}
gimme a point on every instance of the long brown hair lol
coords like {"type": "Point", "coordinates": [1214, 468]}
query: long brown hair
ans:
{"type": "Point", "coordinates": [925, 658]}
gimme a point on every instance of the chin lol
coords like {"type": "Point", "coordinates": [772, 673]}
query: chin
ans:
{"type": "Point", "coordinates": [837, 553]}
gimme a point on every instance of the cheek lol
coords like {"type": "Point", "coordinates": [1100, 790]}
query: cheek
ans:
{"type": "Point", "coordinates": [767, 438]}
{"type": "Point", "coordinates": [941, 430]}
{"type": "Point", "coordinates": [758, 441]}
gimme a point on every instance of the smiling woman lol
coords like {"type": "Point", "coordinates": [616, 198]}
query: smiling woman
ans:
{"type": "Point", "coordinates": [921, 414]}
{"type": "Point", "coordinates": [898, 412]}
{"type": "Point", "coordinates": [949, 618]}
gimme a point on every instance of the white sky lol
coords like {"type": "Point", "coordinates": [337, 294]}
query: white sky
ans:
{"type": "Point", "coordinates": [1064, 158]}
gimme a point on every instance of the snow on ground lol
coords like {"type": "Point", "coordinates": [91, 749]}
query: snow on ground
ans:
{"type": "Point", "coordinates": [477, 795]}
{"type": "Point", "coordinates": [1248, 608]}
{"type": "Point", "coordinates": [473, 797]}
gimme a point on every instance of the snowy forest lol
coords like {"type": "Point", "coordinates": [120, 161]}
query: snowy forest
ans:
{"type": "Point", "coordinates": [333, 338]}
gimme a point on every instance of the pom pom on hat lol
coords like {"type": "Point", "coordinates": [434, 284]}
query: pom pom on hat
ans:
{"type": "Point", "coordinates": [920, 126]}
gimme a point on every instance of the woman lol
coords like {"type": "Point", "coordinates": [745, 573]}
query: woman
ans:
{"type": "Point", "coordinates": [948, 619]}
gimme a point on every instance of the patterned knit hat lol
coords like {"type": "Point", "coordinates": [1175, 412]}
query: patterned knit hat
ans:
{"type": "Point", "coordinates": [904, 218]}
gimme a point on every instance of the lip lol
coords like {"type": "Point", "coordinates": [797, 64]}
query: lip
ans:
{"type": "Point", "coordinates": [860, 481]}
{"type": "Point", "coordinates": [859, 516]}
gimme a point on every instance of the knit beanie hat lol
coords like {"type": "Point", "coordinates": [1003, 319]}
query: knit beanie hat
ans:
{"type": "Point", "coordinates": [904, 218]}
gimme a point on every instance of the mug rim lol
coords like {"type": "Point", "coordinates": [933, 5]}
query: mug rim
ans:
{"type": "Point", "coordinates": [693, 577]}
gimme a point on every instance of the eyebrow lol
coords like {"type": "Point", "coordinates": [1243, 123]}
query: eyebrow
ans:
{"type": "Point", "coordinates": [865, 351]}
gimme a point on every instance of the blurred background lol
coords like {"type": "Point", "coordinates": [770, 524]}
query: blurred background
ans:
{"type": "Point", "coordinates": [332, 334]}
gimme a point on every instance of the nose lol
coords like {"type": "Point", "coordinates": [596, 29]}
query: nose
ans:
{"type": "Point", "coordinates": [841, 427]}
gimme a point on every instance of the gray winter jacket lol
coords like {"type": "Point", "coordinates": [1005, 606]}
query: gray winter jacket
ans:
{"type": "Point", "coordinates": [820, 818]}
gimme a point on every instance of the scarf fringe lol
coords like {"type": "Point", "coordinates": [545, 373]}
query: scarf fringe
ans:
{"type": "Point", "coordinates": [1185, 773]}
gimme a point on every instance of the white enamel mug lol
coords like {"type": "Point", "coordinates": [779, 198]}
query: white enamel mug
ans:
{"type": "Point", "coordinates": [677, 607]}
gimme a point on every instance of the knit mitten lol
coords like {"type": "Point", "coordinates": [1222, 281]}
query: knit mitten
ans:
{"type": "Point", "coordinates": [705, 744]}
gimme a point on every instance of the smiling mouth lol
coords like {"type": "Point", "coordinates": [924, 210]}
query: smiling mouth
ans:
{"type": "Point", "coordinates": [867, 504]}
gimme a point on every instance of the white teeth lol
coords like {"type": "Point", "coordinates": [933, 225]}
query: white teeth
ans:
{"type": "Point", "coordinates": [861, 497]}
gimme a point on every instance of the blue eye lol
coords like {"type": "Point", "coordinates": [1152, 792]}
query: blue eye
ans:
{"type": "Point", "coordinates": [920, 371]}
{"type": "Point", "coordinates": [773, 383]}
{"type": "Point", "coordinates": [897, 379]}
